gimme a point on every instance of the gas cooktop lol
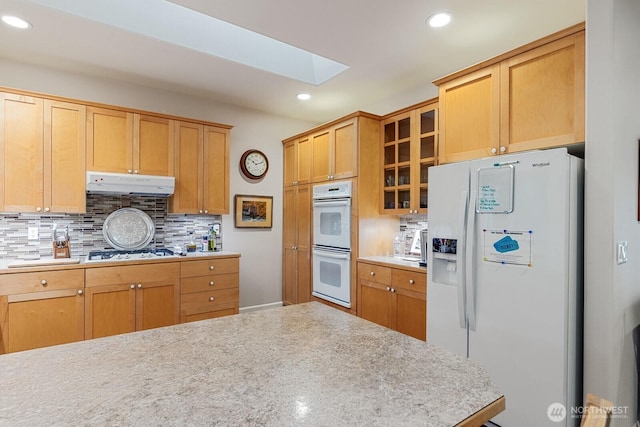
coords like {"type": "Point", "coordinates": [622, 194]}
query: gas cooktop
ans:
{"type": "Point", "coordinates": [131, 255]}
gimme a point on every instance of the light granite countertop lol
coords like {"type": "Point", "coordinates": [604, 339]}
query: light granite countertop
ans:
{"type": "Point", "coordinates": [395, 262]}
{"type": "Point", "coordinates": [306, 364]}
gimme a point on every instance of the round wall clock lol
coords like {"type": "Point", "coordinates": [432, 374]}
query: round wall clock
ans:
{"type": "Point", "coordinates": [254, 164]}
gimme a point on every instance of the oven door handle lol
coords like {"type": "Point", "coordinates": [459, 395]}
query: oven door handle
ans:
{"type": "Point", "coordinates": [334, 255]}
{"type": "Point", "coordinates": [332, 202]}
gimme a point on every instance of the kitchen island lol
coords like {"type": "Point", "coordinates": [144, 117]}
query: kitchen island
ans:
{"type": "Point", "coordinates": [306, 364]}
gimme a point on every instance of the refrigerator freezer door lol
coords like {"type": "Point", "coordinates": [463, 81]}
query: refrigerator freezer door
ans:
{"type": "Point", "coordinates": [521, 291]}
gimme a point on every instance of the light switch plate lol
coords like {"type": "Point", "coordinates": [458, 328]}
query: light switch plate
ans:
{"type": "Point", "coordinates": [621, 252]}
{"type": "Point", "coordinates": [32, 233]}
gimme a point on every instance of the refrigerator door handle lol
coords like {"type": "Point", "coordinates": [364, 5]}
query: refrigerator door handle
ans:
{"type": "Point", "coordinates": [470, 235]}
{"type": "Point", "coordinates": [460, 273]}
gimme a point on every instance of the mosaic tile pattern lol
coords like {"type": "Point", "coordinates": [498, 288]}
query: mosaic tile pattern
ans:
{"type": "Point", "coordinates": [85, 230]}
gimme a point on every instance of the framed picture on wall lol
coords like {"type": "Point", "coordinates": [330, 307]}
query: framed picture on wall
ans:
{"type": "Point", "coordinates": [253, 211]}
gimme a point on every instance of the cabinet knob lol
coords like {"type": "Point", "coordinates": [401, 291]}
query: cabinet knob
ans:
{"type": "Point", "coordinates": [135, 171]}
{"type": "Point", "coordinates": [200, 211]}
{"type": "Point", "coordinates": [388, 288]}
{"type": "Point", "coordinates": [129, 171]}
{"type": "Point", "coordinates": [411, 281]}
{"type": "Point", "coordinates": [132, 286]}
{"type": "Point", "coordinates": [139, 285]}
{"type": "Point", "coordinates": [212, 298]}
{"type": "Point", "coordinates": [47, 209]}
{"type": "Point", "coordinates": [393, 290]}
{"type": "Point", "coordinates": [43, 282]}
{"type": "Point", "coordinates": [211, 267]}
{"type": "Point", "coordinates": [206, 211]}
{"type": "Point", "coordinates": [211, 283]}
{"type": "Point", "coordinates": [38, 209]}
{"type": "Point", "coordinates": [373, 273]}
{"type": "Point", "coordinates": [295, 182]}
{"type": "Point", "coordinates": [493, 150]}
{"type": "Point", "coordinates": [503, 149]}
{"type": "Point", "coordinates": [80, 292]}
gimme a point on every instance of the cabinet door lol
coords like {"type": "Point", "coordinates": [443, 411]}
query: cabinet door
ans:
{"type": "Point", "coordinates": [423, 156]}
{"type": "Point", "coordinates": [153, 145]}
{"type": "Point", "coordinates": [43, 319]}
{"type": "Point", "coordinates": [21, 153]}
{"type": "Point", "coordinates": [296, 245]}
{"type": "Point", "coordinates": [64, 157]}
{"type": "Point", "coordinates": [411, 315]}
{"type": "Point", "coordinates": [189, 169]}
{"type": "Point", "coordinates": [157, 304]}
{"type": "Point", "coordinates": [290, 163]}
{"type": "Point", "coordinates": [542, 96]}
{"type": "Point", "coordinates": [376, 303]}
{"type": "Point", "coordinates": [469, 110]}
{"type": "Point", "coordinates": [109, 140]}
{"type": "Point", "coordinates": [303, 160]}
{"type": "Point", "coordinates": [110, 310]}
{"type": "Point", "coordinates": [216, 170]}
{"type": "Point", "coordinates": [321, 156]}
{"type": "Point", "coordinates": [289, 239]}
{"type": "Point", "coordinates": [344, 155]}
{"type": "Point", "coordinates": [397, 133]}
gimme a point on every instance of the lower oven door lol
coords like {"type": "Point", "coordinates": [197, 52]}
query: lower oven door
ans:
{"type": "Point", "coordinates": [332, 275]}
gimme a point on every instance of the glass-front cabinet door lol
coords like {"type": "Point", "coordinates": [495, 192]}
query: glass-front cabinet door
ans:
{"type": "Point", "coordinates": [425, 153]}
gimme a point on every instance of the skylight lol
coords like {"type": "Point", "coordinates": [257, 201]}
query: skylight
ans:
{"type": "Point", "coordinates": [175, 24]}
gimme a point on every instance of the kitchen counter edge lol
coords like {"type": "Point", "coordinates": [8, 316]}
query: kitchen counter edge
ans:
{"type": "Point", "coordinates": [393, 262]}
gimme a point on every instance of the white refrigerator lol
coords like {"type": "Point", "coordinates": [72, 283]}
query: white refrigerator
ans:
{"type": "Point", "coordinates": [505, 277]}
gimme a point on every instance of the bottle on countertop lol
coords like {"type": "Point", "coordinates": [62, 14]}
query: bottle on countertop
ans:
{"type": "Point", "coordinates": [212, 239]}
{"type": "Point", "coordinates": [205, 243]}
{"type": "Point", "coordinates": [191, 246]}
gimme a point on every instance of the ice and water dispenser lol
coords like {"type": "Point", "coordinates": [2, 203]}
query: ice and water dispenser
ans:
{"type": "Point", "coordinates": [445, 260]}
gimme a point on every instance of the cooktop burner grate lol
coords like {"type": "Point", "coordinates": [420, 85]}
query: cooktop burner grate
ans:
{"type": "Point", "coordinates": [119, 255]}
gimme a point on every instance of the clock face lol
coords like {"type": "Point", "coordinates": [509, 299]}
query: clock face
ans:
{"type": "Point", "coordinates": [254, 164]}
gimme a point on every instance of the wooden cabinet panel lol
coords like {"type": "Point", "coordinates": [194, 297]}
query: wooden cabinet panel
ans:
{"type": "Point", "coordinates": [296, 244]}
{"type": "Point", "coordinates": [157, 305]}
{"type": "Point", "coordinates": [21, 283]}
{"type": "Point", "coordinates": [374, 273]}
{"type": "Point", "coordinates": [209, 298]}
{"type": "Point", "coordinates": [21, 153]}
{"type": "Point", "coordinates": [411, 315]}
{"type": "Point", "coordinates": [345, 150]}
{"type": "Point", "coordinates": [153, 145]}
{"type": "Point", "coordinates": [206, 267]}
{"type": "Point", "coordinates": [376, 304]}
{"type": "Point", "coordinates": [205, 283]}
{"type": "Point", "coordinates": [204, 314]}
{"type": "Point", "coordinates": [297, 161]}
{"type": "Point", "coordinates": [109, 140]}
{"type": "Point", "coordinates": [321, 156]}
{"type": "Point", "coordinates": [216, 170]}
{"type": "Point", "coordinates": [110, 310]}
{"type": "Point", "coordinates": [409, 280]}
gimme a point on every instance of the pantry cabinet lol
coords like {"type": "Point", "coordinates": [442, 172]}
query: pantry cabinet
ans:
{"type": "Point", "coordinates": [209, 289]}
{"type": "Point", "coordinates": [201, 169]}
{"type": "Point", "coordinates": [334, 152]}
{"type": "Point", "coordinates": [125, 299]}
{"type": "Point", "coordinates": [42, 151]}
{"type": "Point", "coordinates": [394, 297]}
{"type": "Point", "coordinates": [41, 309]}
{"type": "Point", "coordinates": [296, 238]}
{"type": "Point", "coordinates": [529, 98]}
{"type": "Point", "coordinates": [409, 146]}
{"type": "Point", "coordinates": [297, 161]}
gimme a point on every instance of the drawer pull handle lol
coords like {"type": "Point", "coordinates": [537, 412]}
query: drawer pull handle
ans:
{"type": "Point", "coordinates": [373, 273]}
{"type": "Point", "coordinates": [211, 267]}
{"type": "Point", "coordinates": [212, 298]}
{"type": "Point", "coordinates": [211, 283]}
{"type": "Point", "coordinates": [411, 281]}
{"type": "Point", "coordinates": [80, 292]}
{"type": "Point", "coordinates": [43, 282]}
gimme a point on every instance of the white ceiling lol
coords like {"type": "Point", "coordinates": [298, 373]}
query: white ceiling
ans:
{"type": "Point", "coordinates": [392, 54]}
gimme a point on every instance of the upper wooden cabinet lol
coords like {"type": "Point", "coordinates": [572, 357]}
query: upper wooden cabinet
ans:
{"type": "Point", "coordinates": [126, 142]}
{"type": "Point", "coordinates": [297, 161]}
{"type": "Point", "coordinates": [409, 144]}
{"type": "Point", "coordinates": [42, 152]}
{"type": "Point", "coordinates": [201, 169]}
{"type": "Point", "coordinates": [334, 152]}
{"type": "Point", "coordinates": [529, 98]}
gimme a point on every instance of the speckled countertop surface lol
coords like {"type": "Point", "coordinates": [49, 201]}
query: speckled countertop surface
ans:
{"type": "Point", "coordinates": [305, 364]}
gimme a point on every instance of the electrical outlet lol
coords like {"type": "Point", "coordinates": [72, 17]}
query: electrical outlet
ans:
{"type": "Point", "coordinates": [32, 233]}
{"type": "Point", "coordinates": [621, 252]}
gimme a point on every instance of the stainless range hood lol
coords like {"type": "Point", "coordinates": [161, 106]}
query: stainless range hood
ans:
{"type": "Point", "coordinates": [132, 184]}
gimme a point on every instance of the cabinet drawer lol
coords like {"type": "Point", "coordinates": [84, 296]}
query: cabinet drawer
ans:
{"type": "Point", "coordinates": [209, 266]}
{"type": "Point", "coordinates": [209, 299]}
{"type": "Point", "coordinates": [207, 283]}
{"type": "Point", "coordinates": [141, 273]}
{"type": "Point", "coordinates": [409, 280]}
{"type": "Point", "coordinates": [374, 273]}
{"type": "Point", "coordinates": [21, 283]}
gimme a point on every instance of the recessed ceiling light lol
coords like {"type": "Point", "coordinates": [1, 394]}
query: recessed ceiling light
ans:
{"type": "Point", "coordinates": [304, 96]}
{"type": "Point", "coordinates": [439, 19]}
{"type": "Point", "coordinates": [16, 22]}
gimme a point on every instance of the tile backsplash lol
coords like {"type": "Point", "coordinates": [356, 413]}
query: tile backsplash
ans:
{"type": "Point", "coordinates": [85, 230]}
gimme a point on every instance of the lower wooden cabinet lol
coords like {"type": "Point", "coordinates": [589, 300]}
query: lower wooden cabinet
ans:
{"type": "Point", "coordinates": [210, 288]}
{"type": "Point", "coordinates": [125, 299]}
{"type": "Point", "coordinates": [41, 309]}
{"type": "Point", "coordinates": [394, 297]}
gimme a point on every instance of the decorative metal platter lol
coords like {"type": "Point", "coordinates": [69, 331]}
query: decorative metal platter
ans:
{"type": "Point", "coordinates": [128, 229]}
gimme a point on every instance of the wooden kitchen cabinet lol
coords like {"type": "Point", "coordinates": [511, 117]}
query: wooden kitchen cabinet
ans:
{"type": "Point", "coordinates": [41, 309]}
{"type": "Point", "coordinates": [409, 146]}
{"type": "Point", "coordinates": [394, 297]}
{"type": "Point", "coordinates": [334, 152]}
{"type": "Point", "coordinates": [126, 142]}
{"type": "Point", "coordinates": [297, 161]}
{"type": "Point", "coordinates": [296, 239]}
{"type": "Point", "coordinates": [209, 288]}
{"type": "Point", "coordinates": [123, 299]}
{"type": "Point", "coordinates": [42, 151]}
{"type": "Point", "coordinates": [529, 98]}
{"type": "Point", "coordinates": [201, 170]}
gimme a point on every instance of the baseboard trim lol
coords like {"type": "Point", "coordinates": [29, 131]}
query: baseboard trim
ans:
{"type": "Point", "coordinates": [260, 307]}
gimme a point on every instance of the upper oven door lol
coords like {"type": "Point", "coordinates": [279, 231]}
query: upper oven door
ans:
{"type": "Point", "coordinates": [332, 223]}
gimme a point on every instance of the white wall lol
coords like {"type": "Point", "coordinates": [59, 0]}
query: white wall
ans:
{"type": "Point", "coordinates": [261, 261]}
{"type": "Point", "coordinates": [612, 291]}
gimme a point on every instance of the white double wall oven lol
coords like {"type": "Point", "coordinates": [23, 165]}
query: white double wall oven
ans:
{"type": "Point", "coordinates": [332, 242]}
